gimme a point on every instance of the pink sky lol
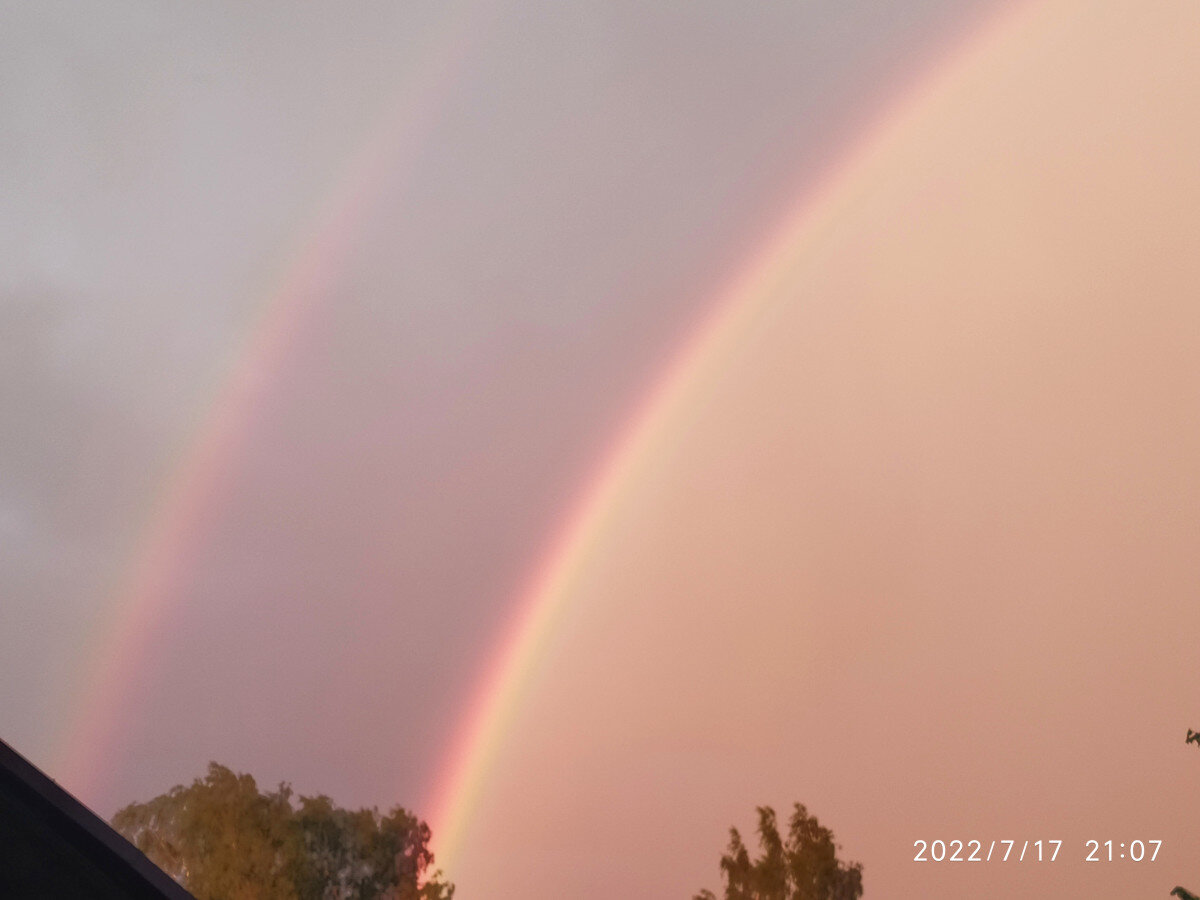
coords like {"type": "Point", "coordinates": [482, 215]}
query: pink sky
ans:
{"type": "Point", "coordinates": [921, 551]}
{"type": "Point", "coordinates": [914, 545]}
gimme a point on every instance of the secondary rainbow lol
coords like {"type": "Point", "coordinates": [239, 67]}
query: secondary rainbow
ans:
{"type": "Point", "coordinates": [195, 479]}
{"type": "Point", "coordinates": [738, 306]}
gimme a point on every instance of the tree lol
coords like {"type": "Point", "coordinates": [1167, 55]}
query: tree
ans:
{"type": "Point", "coordinates": [805, 867]}
{"type": "Point", "coordinates": [223, 840]}
{"type": "Point", "coordinates": [1193, 737]}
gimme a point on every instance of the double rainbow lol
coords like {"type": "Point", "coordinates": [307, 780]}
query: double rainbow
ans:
{"type": "Point", "coordinates": [195, 481]}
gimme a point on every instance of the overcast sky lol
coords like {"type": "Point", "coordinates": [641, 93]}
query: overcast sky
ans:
{"type": "Point", "coordinates": [558, 192]}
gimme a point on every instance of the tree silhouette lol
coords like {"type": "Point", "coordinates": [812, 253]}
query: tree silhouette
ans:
{"type": "Point", "coordinates": [1193, 737]}
{"type": "Point", "coordinates": [804, 867]}
{"type": "Point", "coordinates": [223, 840]}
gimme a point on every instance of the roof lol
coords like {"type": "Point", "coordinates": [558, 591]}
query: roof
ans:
{"type": "Point", "coordinates": [51, 845]}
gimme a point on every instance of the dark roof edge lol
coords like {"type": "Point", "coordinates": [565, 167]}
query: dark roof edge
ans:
{"type": "Point", "coordinates": [90, 834]}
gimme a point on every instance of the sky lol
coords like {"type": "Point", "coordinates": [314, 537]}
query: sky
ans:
{"type": "Point", "coordinates": [335, 319]}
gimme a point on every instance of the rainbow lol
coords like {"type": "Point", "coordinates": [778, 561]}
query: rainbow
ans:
{"type": "Point", "coordinates": [180, 512]}
{"type": "Point", "coordinates": [740, 306]}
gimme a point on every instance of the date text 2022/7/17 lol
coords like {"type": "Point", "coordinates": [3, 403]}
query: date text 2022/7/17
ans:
{"type": "Point", "coordinates": [1032, 851]}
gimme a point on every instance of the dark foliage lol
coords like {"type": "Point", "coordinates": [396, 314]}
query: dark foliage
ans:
{"type": "Point", "coordinates": [802, 867]}
{"type": "Point", "coordinates": [224, 840]}
{"type": "Point", "coordinates": [1193, 737]}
